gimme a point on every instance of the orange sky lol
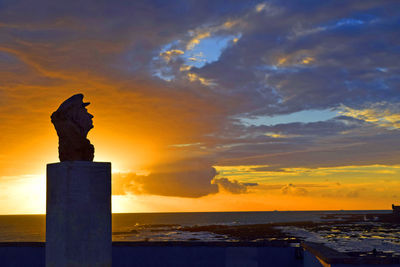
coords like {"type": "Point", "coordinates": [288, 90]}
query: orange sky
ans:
{"type": "Point", "coordinates": [206, 111]}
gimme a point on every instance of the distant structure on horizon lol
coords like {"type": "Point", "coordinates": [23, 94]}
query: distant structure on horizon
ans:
{"type": "Point", "coordinates": [396, 210]}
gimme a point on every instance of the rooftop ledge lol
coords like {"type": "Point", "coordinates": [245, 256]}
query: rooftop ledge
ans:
{"type": "Point", "coordinates": [277, 243]}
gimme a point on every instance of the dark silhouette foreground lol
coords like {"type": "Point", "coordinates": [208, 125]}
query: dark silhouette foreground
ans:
{"type": "Point", "coordinates": [72, 123]}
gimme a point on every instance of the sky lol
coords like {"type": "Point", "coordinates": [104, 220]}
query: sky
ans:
{"type": "Point", "coordinates": [207, 105]}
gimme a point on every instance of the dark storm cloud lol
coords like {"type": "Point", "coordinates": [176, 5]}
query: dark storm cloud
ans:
{"type": "Point", "coordinates": [116, 38]}
{"type": "Point", "coordinates": [191, 178]}
{"type": "Point", "coordinates": [351, 50]}
{"type": "Point", "coordinates": [342, 150]}
{"type": "Point", "coordinates": [188, 178]}
{"type": "Point", "coordinates": [354, 58]}
{"type": "Point", "coordinates": [338, 142]}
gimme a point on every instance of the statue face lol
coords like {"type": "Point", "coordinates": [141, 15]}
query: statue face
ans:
{"type": "Point", "coordinates": [84, 120]}
{"type": "Point", "coordinates": [73, 110]}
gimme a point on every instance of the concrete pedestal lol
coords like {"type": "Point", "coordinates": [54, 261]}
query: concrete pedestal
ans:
{"type": "Point", "coordinates": [78, 214]}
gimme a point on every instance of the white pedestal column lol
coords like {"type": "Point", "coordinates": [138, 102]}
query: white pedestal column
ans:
{"type": "Point", "coordinates": [78, 214]}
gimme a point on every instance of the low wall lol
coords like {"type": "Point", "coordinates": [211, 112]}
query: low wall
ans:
{"type": "Point", "coordinates": [210, 254]}
{"type": "Point", "coordinates": [169, 254]}
{"type": "Point", "coordinates": [19, 254]}
{"type": "Point", "coordinates": [318, 255]}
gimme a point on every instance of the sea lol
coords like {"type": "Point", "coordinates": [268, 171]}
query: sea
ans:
{"type": "Point", "coordinates": [164, 226]}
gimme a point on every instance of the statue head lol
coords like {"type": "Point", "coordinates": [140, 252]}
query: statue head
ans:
{"type": "Point", "coordinates": [72, 123]}
{"type": "Point", "coordinates": [74, 110]}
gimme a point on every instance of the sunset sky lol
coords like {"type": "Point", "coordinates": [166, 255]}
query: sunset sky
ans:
{"type": "Point", "coordinates": [207, 105]}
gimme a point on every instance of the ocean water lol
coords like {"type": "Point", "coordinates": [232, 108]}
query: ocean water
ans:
{"type": "Point", "coordinates": [162, 226]}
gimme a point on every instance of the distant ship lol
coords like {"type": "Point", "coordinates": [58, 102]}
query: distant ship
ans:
{"type": "Point", "coordinates": [396, 210]}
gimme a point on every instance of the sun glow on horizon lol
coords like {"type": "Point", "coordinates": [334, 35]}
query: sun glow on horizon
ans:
{"type": "Point", "coordinates": [25, 194]}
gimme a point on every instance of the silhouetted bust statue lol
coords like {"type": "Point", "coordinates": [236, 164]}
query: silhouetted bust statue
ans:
{"type": "Point", "coordinates": [73, 122]}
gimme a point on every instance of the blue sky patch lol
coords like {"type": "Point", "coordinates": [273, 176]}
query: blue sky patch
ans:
{"type": "Point", "coordinates": [305, 116]}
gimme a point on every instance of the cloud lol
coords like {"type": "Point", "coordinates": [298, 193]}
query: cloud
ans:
{"type": "Point", "coordinates": [234, 186]}
{"type": "Point", "coordinates": [348, 192]}
{"type": "Point", "coordinates": [382, 114]}
{"type": "Point", "coordinates": [260, 7]}
{"type": "Point", "coordinates": [279, 135]}
{"type": "Point", "coordinates": [194, 77]}
{"type": "Point", "coordinates": [335, 142]}
{"type": "Point", "coordinates": [291, 189]}
{"type": "Point", "coordinates": [353, 194]}
{"type": "Point", "coordinates": [196, 40]}
{"type": "Point", "coordinates": [170, 54]}
{"type": "Point", "coordinates": [188, 178]}
{"type": "Point", "coordinates": [300, 82]}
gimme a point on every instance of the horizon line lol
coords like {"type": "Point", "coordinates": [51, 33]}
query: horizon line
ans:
{"type": "Point", "coordinates": [341, 210]}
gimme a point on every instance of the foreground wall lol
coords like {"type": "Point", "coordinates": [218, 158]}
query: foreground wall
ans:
{"type": "Point", "coordinates": [168, 254]}
{"type": "Point", "coordinates": [177, 254]}
{"type": "Point", "coordinates": [318, 255]}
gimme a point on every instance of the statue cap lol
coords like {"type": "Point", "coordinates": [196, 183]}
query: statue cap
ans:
{"type": "Point", "coordinates": [75, 100]}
